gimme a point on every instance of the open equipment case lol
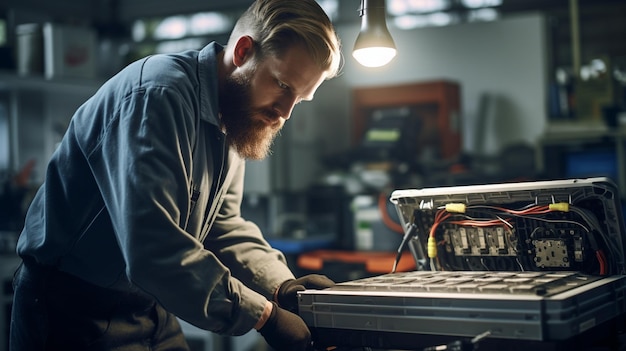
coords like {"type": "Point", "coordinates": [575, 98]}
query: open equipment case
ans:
{"type": "Point", "coordinates": [517, 265]}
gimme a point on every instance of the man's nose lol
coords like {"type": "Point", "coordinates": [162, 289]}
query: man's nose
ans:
{"type": "Point", "coordinates": [286, 106]}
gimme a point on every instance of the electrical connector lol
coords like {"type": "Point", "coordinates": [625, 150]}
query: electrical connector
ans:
{"type": "Point", "coordinates": [432, 247]}
{"type": "Point", "coordinates": [559, 206]}
{"type": "Point", "coordinates": [456, 207]}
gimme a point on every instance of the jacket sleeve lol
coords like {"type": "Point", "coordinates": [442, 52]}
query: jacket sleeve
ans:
{"type": "Point", "coordinates": [240, 245]}
{"type": "Point", "coordinates": [141, 162]}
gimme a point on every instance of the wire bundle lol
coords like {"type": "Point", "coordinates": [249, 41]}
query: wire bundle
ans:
{"type": "Point", "coordinates": [458, 214]}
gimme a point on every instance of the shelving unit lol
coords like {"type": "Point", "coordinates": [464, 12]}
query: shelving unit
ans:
{"type": "Point", "coordinates": [38, 111]}
{"type": "Point", "coordinates": [10, 81]}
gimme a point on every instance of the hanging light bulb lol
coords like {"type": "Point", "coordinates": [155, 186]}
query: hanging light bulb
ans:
{"type": "Point", "coordinates": [374, 47]}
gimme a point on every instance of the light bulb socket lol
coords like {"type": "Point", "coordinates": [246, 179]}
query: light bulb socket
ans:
{"type": "Point", "coordinates": [374, 32]}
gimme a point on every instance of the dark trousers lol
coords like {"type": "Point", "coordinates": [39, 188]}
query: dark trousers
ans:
{"type": "Point", "coordinates": [57, 311]}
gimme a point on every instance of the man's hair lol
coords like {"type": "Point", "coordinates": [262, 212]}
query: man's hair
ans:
{"type": "Point", "coordinates": [277, 25]}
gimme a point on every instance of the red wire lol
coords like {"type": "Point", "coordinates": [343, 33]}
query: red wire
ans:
{"type": "Point", "coordinates": [441, 216]}
{"type": "Point", "coordinates": [488, 223]}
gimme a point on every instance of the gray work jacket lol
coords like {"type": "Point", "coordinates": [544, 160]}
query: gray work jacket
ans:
{"type": "Point", "coordinates": [143, 194]}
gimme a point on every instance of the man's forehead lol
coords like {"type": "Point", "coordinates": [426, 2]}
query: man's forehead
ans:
{"type": "Point", "coordinates": [298, 70]}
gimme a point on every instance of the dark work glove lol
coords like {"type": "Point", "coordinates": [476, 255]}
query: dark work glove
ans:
{"type": "Point", "coordinates": [287, 297]}
{"type": "Point", "coordinates": [285, 331]}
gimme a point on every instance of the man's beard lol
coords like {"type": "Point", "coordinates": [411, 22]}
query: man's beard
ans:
{"type": "Point", "coordinates": [251, 137]}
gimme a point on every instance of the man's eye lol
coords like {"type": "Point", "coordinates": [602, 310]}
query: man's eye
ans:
{"type": "Point", "coordinates": [282, 85]}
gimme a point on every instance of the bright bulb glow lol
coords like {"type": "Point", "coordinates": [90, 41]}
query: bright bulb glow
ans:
{"type": "Point", "coordinates": [374, 56]}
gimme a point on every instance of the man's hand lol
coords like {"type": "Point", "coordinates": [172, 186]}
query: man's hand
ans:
{"type": "Point", "coordinates": [287, 297]}
{"type": "Point", "coordinates": [285, 331]}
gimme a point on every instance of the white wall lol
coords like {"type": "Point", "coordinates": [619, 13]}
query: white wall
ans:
{"type": "Point", "coordinates": [504, 60]}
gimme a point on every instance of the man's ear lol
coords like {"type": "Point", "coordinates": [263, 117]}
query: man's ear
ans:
{"type": "Point", "coordinates": [244, 50]}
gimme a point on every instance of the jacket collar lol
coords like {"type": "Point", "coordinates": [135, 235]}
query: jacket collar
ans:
{"type": "Point", "coordinates": [208, 78]}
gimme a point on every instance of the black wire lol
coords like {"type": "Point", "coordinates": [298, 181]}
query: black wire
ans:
{"type": "Point", "coordinates": [408, 233]}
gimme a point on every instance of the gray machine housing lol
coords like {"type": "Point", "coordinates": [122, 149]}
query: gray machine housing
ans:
{"type": "Point", "coordinates": [437, 300]}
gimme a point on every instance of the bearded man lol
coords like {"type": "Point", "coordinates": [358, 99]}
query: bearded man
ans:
{"type": "Point", "coordinates": [138, 221]}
